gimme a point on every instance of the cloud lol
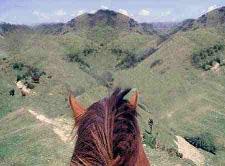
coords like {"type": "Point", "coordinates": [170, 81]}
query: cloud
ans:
{"type": "Point", "coordinates": [144, 12]}
{"type": "Point", "coordinates": [80, 12]}
{"type": "Point", "coordinates": [166, 13]}
{"type": "Point", "coordinates": [104, 7]}
{"type": "Point", "coordinates": [93, 11]}
{"type": "Point", "coordinates": [123, 11]}
{"type": "Point", "coordinates": [60, 12]}
{"type": "Point", "coordinates": [41, 15]}
{"type": "Point", "coordinates": [210, 8]}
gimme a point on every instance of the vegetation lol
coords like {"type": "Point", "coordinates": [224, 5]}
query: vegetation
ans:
{"type": "Point", "coordinates": [206, 57]}
{"type": "Point", "coordinates": [204, 141]}
{"type": "Point", "coordinates": [181, 95]}
{"type": "Point", "coordinates": [131, 59]}
{"type": "Point", "coordinates": [76, 58]}
{"type": "Point", "coordinates": [18, 66]}
{"type": "Point", "coordinates": [149, 136]}
{"type": "Point", "coordinates": [27, 73]}
{"type": "Point", "coordinates": [79, 55]}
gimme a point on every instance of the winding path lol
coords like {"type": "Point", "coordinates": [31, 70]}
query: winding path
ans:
{"type": "Point", "coordinates": [189, 151]}
{"type": "Point", "coordinates": [60, 128]}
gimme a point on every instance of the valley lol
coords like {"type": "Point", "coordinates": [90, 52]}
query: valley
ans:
{"type": "Point", "coordinates": [94, 53]}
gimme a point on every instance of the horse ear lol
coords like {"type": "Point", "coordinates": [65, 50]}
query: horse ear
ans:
{"type": "Point", "coordinates": [134, 99]}
{"type": "Point", "coordinates": [77, 108]}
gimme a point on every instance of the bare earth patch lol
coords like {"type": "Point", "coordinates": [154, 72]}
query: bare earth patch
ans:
{"type": "Point", "coordinates": [189, 151]}
{"type": "Point", "coordinates": [60, 128]}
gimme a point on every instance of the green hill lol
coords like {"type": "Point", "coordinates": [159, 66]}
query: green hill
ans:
{"type": "Point", "coordinates": [93, 53]}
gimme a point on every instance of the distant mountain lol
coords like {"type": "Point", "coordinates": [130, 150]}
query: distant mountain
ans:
{"type": "Point", "coordinates": [215, 18]}
{"type": "Point", "coordinates": [164, 26]}
{"type": "Point", "coordinates": [6, 28]}
{"type": "Point", "coordinates": [102, 18]}
{"type": "Point", "coordinates": [148, 28]}
{"type": "Point", "coordinates": [183, 26]}
{"type": "Point", "coordinates": [50, 28]}
{"type": "Point", "coordinates": [115, 21]}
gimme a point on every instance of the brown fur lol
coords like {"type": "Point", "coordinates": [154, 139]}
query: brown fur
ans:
{"type": "Point", "coordinates": [108, 134]}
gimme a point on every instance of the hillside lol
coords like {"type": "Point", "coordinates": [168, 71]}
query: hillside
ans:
{"type": "Point", "coordinates": [6, 28]}
{"type": "Point", "coordinates": [103, 17]}
{"type": "Point", "coordinates": [211, 19]}
{"type": "Point", "coordinates": [177, 92]}
{"type": "Point", "coordinates": [90, 55]}
{"type": "Point", "coordinates": [93, 22]}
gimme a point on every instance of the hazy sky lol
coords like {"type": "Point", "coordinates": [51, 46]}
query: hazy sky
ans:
{"type": "Point", "coordinates": [38, 11]}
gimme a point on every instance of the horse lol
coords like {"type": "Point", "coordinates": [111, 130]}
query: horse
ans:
{"type": "Point", "coordinates": [107, 132]}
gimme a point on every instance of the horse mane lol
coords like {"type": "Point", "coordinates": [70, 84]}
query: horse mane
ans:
{"type": "Point", "coordinates": [108, 133]}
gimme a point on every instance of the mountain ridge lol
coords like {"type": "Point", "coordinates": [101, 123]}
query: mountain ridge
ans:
{"type": "Point", "coordinates": [180, 98]}
{"type": "Point", "coordinates": [120, 21]}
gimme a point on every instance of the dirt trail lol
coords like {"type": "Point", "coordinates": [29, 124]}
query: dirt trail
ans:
{"type": "Point", "coordinates": [189, 151]}
{"type": "Point", "coordinates": [60, 127]}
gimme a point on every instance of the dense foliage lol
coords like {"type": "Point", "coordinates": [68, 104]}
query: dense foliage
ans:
{"type": "Point", "coordinates": [78, 56]}
{"type": "Point", "coordinates": [204, 141]}
{"type": "Point", "coordinates": [207, 57]}
{"type": "Point", "coordinates": [27, 73]}
{"type": "Point", "coordinates": [130, 58]}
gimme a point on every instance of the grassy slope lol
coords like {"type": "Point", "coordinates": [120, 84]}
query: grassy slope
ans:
{"type": "Point", "coordinates": [26, 141]}
{"type": "Point", "coordinates": [175, 93]}
{"type": "Point", "coordinates": [47, 52]}
{"type": "Point", "coordinates": [182, 99]}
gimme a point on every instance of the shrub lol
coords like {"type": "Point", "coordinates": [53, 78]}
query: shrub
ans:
{"type": "Point", "coordinates": [29, 85]}
{"type": "Point", "coordinates": [131, 59]}
{"type": "Point", "coordinates": [27, 73]}
{"type": "Point", "coordinates": [174, 152]}
{"type": "Point", "coordinates": [88, 51]}
{"type": "Point", "coordinates": [35, 74]}
{"type": "Point", "coordinates": [149, 137]}
{"type": "Point", "coordinates": [18, 66]}
{"type": "Point", "coordinates": [12, 92]}
{"type": "Point", "coordinates": [206, 57]}
{"type": "Point", "coordinates": [204, 141]}
{"type": "Point", "coordinates": [117, 51]}
{"type": "Point", "coordinates": [19, 77]}
{"type": "Point", "coordinates": [75, 57]}
{"type": "Point", "coordinates": [79, 55]}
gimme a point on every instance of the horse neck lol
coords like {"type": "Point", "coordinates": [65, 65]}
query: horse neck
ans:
{"type": "Point", "coordinates": [142, 159]}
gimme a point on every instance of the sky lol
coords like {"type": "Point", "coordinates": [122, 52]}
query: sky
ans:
{"type": "Point", "coordinates": [45, 11]}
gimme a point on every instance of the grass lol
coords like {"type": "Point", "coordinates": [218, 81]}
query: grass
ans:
{"type": "Point", "coordinates": [186, 99]}
{"type": "Point", "coordinates": [181, 99]}
{"type": "Point", "coordinates": [25, 141]}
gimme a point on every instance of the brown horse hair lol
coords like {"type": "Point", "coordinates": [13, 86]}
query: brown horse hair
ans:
{"type": "Point", "coordinates": [108, 134]}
